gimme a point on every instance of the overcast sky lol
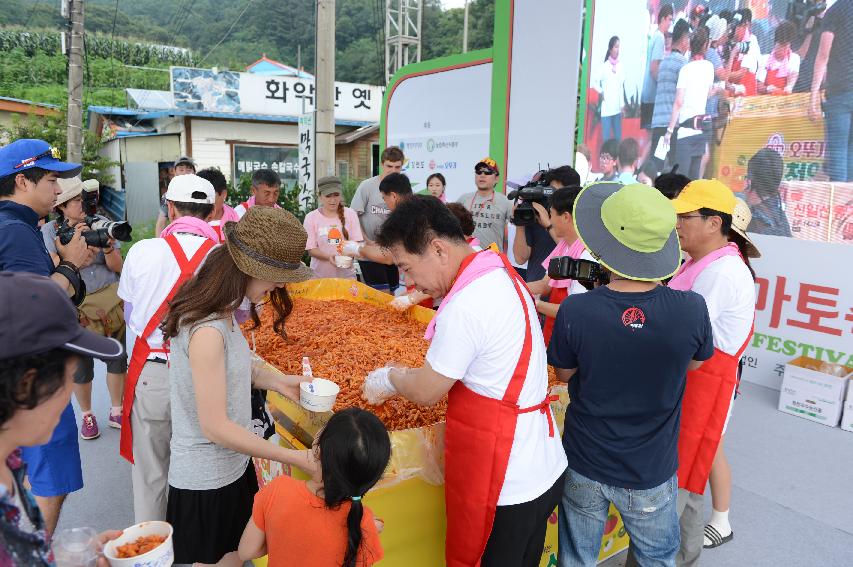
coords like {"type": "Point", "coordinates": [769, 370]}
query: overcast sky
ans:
{"type": "Point", "coordinates": [452, 3]}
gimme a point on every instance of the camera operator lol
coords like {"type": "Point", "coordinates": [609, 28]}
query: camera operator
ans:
{"type": "Point", "coordinates": [539, 238]}
{"type": "Point", "coordinates": [102, 311]}
{"type": "Point", "coordinates": [562, 203]}
{"type": "Point", "coordinates": [743, 55]}
{"type": "Point", "coordinates": [625, 349]}
{"type": "Point", "coordinates": [28, 188]}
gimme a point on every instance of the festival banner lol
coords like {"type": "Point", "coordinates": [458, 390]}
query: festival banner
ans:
{"type": "Point", "coordinates": [780, 142]}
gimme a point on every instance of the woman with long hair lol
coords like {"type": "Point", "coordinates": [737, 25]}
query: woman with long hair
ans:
{"type": "Point", "coordinates": [211, 374]}
{"type": "Point", "coordinates": [436, 185]}
{"type": "Point", "coordinates": [609, 84]}
{"type": "Point", "coordinates": [328, 226]}
{"type": "Point", "coordinates": [323, 522]}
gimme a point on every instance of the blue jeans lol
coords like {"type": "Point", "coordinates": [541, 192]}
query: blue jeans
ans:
{"type": "Point", "coordinates": [649, 516]}
{"type": "Point", "coordinates": [611, 127]}
{"type": "Point", "coordinates": [839, 136]}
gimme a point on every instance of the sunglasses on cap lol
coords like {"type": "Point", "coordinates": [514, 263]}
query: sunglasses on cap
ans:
{"type": "Point", "coordinates": [485, 171]}
{"type": "Point", "coordinates": [50, 152]}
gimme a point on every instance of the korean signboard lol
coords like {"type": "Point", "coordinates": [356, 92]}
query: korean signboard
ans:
{"type": "Point", "coordinates": [247, 93]}
{"type": "Point", "coordinates": [306, 158]}
{"type": "Point", "coordinates": [283, 160]}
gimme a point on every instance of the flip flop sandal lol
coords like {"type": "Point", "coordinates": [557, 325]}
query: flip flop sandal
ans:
{"type": "Point", "coordinates": [712, 535]}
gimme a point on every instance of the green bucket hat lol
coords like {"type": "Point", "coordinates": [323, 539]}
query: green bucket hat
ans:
{"type": "Point", "coordinates": [630, 229]}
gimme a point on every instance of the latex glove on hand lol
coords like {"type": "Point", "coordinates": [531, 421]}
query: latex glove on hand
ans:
{"type": "Point", "coordinates": [402, 303]}
{"type": "Point", "coordinates": [378, 387]}
{"type": "Point", "coordinates": [351, 248]}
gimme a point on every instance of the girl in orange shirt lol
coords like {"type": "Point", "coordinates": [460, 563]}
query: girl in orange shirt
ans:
{"type": "Point", "coordinates": [322, 522]}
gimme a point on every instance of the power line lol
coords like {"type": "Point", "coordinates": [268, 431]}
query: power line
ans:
{"type": "Point", "coordinates": [224, 37]}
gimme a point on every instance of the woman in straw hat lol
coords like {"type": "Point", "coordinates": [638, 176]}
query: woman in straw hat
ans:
{"type": "Point", "coordinates": [211, 479]}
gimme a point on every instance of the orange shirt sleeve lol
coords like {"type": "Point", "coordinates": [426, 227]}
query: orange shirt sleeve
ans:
{"type": "Point", "coordinates": [260, 508]}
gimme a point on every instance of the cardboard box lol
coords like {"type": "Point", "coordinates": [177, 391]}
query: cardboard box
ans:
{"type": "Point", "coordinates": [814, 390]}
{"type": "Point", "coordinates": [847, 415]}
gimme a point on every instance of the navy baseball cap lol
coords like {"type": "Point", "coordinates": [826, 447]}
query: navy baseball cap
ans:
{"type": "Point", "coordinates": [24, 154]}
{"type": "Point", "coordinates": [37, 316]}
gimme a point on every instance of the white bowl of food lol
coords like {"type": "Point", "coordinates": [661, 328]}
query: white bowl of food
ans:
{"type": "Point", "coordinates": [318, 395]}
{"type": "Point", "coordinates": [148, 544]}
{"type": "Point", "coordinates": [343, 261]}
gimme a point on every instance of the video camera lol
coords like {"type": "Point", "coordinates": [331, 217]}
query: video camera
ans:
{"type": "Point", "coordinates": [537, 190]}
{"type": "Point", "coordinates": [585, 272]}
{"type": "Point", "coordinates": [102, 230]}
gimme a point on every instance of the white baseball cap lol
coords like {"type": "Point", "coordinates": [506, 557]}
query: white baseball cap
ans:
{"type": "Point", "coordinates": [190, 188]}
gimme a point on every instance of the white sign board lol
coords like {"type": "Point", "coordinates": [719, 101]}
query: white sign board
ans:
{"type": "Point", "coordinates": [307, 181]}
{"type": "Point", "coordinates": [804, 306]}
{"type": "Point", "coordinates": [441, 122]}
{"type": "Point", "coordinates": [247, 93]}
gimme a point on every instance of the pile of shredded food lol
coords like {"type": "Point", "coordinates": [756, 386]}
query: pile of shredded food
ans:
{"type": "Point", "coordinates": [344, 341]}
{"type": "Point", "coordinates": [141, 545]}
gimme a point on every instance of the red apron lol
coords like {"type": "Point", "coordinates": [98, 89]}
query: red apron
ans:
{"type": "Point", "coordinates": [774, 79]}
{"type": "Point", "coordinates": [748, 81]}
{"type": "Point", "coordinates": [478, 441]}
{"type": "Point", "coordinates": [142, 350]}
{"type": "Point", "coordinates": [704, 409]}
{"type": "Point", "coordinates": [556, 296]}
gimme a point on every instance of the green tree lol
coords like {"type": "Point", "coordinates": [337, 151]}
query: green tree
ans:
{"type": "Point", "coordinates": [53, 130]}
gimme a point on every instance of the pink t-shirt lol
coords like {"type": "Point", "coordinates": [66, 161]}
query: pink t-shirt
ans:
{"type": "Point", "coordinates": [318, 226]}
{"type": "Point", "coordinates": [562, 249]}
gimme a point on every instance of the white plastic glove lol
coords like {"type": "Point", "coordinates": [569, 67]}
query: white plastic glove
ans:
{"type": "Point", "coordinates": [351, 248]}
{"type": "Point", "coordinates": [401, 303]}
{"type": "Point", "coordinates": [378, 387]}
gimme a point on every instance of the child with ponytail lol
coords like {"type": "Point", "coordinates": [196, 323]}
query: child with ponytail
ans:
{"type": "Point", "coordinates": [323, 522]}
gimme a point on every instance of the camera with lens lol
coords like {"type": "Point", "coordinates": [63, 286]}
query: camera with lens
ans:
{"type": "Point", "coordinates": [585, 272]}
{"type": "Point", "coordinates": [537, 190]}
{"type": "Point", "coordinates": [101, 230]}
{"type": "Point", "coordinates": [733, 46]}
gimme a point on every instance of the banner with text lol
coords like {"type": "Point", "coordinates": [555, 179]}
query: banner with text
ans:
{"type": "Point", "coordinates": [247, 93]}
{"type": "Point", "coordinates": [307, 182]}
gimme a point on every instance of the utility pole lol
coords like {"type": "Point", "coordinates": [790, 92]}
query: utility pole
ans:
{"type": "Point", "coordinates": [465, 29]}
{"type": "Point", "coordinates": [325, 85]}
{"type": "Point", "coordinates": [75, 82]}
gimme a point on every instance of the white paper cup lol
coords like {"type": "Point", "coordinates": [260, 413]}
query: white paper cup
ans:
{"type": "Point", "coordinates": [161, 556]}
{"type": "Point", "coordinates": [318, 395]}
{"type": "Point", "coordinates": [343, 261]}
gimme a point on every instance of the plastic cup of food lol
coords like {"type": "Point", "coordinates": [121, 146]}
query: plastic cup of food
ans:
{"type": "Point", "coordinates": [318, 395]}
{"type": "Point", "coordinates": [161, 555]}
{"type": "Point", "coordinates": [343, 261]}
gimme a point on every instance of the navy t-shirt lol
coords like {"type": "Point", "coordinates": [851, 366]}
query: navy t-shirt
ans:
{"type": "Point", "coordinates": [22, 247]}
{"type": "Point", "coordinates": [839, 70]}
{"type": "Point", "coordinates": [541, 245]}
{"type": "Point", "coordinates": [631, 351]}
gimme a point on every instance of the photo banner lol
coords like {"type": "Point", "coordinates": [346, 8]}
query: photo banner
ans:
{"type": "Point", "coordinates": [751, 115]}
{"type": "Point", "coordinates": [248, 93]}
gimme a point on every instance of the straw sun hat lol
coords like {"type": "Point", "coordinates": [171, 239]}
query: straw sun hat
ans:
{"type": "Point", "coordinates": [268, 244]}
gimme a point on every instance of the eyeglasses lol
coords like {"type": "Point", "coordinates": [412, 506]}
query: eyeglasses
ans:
{"type": "Point", "coordinates": [51, 152]}
{"type": "Point", "coordinates": [679, 218]}
{"type": "Point", "coordinates": [605, 157]}
{"type": "Point", "coordinates": [484, 171]}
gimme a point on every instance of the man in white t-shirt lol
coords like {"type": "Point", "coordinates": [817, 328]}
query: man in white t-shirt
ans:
{"type": "Point", "coordinates": [153, 271]}
{"type": "Point", "coordinates": [718, 273]}
{"type": "Point", "coordinates": [694, 86]}
{"type": "Point", "coordinates": [504, 463]}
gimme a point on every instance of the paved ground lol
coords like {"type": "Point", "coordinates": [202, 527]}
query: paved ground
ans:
{"type": "Point", "coordinates": [792, 502]}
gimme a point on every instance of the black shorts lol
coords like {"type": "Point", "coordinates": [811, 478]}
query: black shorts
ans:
{"type": "Point", "coordinates": [209, 523]}
{"type": "Point", "coordinates": [383, 277]}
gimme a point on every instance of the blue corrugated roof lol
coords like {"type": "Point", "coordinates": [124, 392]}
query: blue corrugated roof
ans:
{"type": "Point", "coordinates": [150, 115]}
{"type": "Point", "coordinates": [44, 104]}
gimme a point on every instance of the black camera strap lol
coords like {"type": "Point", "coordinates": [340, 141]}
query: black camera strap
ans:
{"type": "Point", "coordinates": [70, 272]}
